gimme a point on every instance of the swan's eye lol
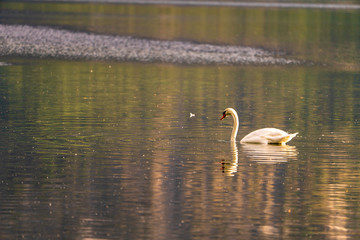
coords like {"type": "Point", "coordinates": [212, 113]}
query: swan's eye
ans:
{"type": "Point", "coordinates": [224, 113]}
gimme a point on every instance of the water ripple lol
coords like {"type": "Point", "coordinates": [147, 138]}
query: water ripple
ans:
{"type": "Point", "coordinates": [19, 40]}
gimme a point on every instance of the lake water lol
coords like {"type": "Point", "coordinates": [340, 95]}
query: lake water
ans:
{"type": "Point", "coordinates": [131, 146]}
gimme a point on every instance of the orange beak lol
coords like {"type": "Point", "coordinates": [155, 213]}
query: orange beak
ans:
{"type": "Point", "coordinates": [224, 116]}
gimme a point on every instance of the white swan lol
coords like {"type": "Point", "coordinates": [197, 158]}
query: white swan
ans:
{"type": "Point", "coordinates": [263, 135]}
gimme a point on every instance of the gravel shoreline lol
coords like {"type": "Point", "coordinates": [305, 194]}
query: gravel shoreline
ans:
{"type": "Point", "coordinates": [45, 42]}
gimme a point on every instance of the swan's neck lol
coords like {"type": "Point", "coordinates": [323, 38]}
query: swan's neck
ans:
{"type": "Point", "coordinates": [235, 126]}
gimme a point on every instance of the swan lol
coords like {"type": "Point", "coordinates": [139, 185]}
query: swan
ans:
{"type": "Point", "coordinates": [263, 135]}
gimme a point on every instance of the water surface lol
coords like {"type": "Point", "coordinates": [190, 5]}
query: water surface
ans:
{"type": "Point", "coordinates": [108, 149]}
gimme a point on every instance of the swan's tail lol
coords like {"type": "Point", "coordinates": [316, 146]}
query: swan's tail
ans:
{"type": "Point", "coordinates": [288, 138]}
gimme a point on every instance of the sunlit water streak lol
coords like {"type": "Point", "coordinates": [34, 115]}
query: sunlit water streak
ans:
{"type": "Point", "coordinates": [45, 42]}
{"type": "Point", "coordinates": [229, 4]}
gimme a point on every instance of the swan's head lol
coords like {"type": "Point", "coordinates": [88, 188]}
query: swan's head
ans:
{"type": "Point", "coordinates": [227, 112]}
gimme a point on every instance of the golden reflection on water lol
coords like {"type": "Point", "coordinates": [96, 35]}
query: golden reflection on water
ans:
{"type": "Point", "coordinates": [338, 209]}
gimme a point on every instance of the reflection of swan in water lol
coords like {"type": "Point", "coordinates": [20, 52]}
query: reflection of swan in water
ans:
{"type": "Point", "coordinates": [263, 135]}
{"type": "Point", "coordinates": [269, 153]}
{"type": "Point", "coordinates": [229, 167]}
{"type": "Point", "coordinates": [262, 154]}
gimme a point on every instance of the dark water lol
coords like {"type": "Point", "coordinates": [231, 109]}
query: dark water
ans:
{"type": "Point", "coordinates": [111, 149]}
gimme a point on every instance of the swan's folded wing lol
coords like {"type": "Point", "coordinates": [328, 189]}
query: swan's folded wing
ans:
{"type": "Point", "coordinates": [274, 135]}
{"type": "Point", "coordinates": [279, 137]}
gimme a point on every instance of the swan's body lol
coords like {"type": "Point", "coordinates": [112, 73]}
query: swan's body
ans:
{"type": "Point", "coordinates": [268, 135]}
{"type": "Point", "coordinates": [263, 135]}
